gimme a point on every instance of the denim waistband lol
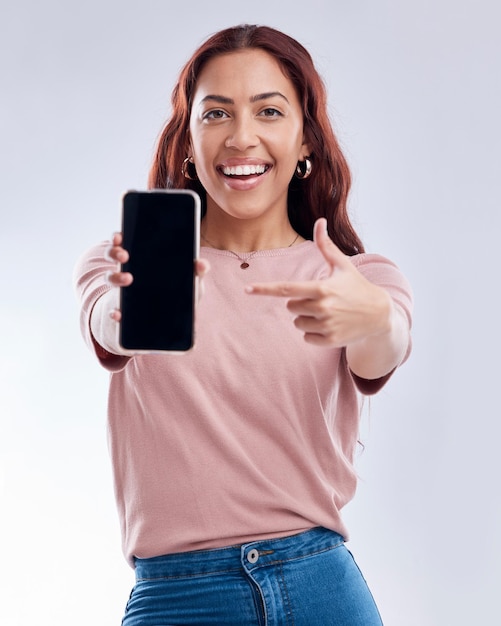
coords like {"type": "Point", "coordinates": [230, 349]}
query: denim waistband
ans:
{"type": "Point", "coordinates": [250, 555]}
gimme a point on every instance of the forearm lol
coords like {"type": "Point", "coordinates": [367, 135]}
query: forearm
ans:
{"type": "Point", "coordinates": [377, 355]}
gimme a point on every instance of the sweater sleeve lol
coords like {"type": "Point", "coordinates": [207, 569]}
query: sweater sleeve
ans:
{"type": "Point", "coordinates": [89, 279]}
{"type": "Point", "coordinates": [384, 273]}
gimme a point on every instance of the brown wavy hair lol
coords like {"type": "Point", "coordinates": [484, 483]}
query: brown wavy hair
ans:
{"type": "Point", "coordinates": [325, 192]}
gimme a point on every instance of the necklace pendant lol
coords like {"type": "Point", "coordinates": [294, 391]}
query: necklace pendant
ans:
{"type": "Point", "coordinates": [244, 265]}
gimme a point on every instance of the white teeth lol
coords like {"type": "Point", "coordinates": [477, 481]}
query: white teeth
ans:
{"type": "Point", "coordinates": [244, 170]}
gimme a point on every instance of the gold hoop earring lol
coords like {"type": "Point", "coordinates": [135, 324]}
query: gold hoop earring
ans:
{"type": "Point", "coordinates": [185, 169]}
{"type": "Point", "coordinates": [303, 169]}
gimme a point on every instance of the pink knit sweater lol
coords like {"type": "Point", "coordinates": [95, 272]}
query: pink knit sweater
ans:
{"type": "Point", "coordinates": [252, 434]}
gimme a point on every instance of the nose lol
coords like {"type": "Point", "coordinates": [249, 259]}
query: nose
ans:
{"type": "Point", "coordinates": [242, 135]}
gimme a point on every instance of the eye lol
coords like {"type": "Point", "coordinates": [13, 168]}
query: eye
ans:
{"type": "Point", "coordinates": [215, 114]}
{"type": "Point", "coordinates": [271, 112]}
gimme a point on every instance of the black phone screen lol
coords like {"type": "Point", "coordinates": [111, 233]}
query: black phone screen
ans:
{"type": "Point", "coordinates": [160, 232]}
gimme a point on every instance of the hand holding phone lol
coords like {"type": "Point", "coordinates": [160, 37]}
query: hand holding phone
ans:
{"type": "Point", "coordinates": [160, 231]}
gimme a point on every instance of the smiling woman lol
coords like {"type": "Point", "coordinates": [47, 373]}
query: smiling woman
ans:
{"type": "Point", "coordinates": [255, 121]}
{"type": "Point", "coordinates": [232, 463]}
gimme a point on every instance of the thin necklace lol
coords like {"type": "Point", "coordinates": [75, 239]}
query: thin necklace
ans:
{"type": "Point", "coordinates": [244, 259]}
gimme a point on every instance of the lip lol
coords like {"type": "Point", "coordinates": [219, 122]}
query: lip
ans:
{"type": "Point", "coordinates": [251, 181]}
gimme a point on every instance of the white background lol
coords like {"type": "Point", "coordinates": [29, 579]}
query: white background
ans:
{"type": "Point", "coordinates": [415, 98]}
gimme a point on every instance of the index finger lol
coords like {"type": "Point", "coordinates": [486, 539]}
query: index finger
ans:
{"type": "Point", "coordinates": [285, 289]}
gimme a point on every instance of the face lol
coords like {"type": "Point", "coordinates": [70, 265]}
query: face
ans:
{"type": "Point", "coordinates": [246, 132]}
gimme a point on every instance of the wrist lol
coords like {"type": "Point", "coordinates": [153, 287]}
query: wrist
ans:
{"type": "Point", "coordinates": [103, 327]}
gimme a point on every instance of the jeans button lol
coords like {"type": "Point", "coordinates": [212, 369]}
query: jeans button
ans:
{"type": "Point", "coordinates": [253, 556]}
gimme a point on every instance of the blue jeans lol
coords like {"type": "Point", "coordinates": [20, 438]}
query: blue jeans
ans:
{"type": "Point", "coordinates": [303, 580]}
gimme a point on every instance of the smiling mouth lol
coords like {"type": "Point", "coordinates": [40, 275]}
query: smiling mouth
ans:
{"type": "Point", "coordinates": [244, 170]}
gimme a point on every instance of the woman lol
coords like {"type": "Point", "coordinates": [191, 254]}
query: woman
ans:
{"type": "Point", "coordinates": [232, 463]}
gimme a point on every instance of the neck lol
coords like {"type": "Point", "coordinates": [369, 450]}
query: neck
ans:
{"type": "Point", "coordinates": [247, 235]}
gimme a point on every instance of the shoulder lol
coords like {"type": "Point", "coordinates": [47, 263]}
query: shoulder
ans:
{"type": "Point", "coordinates": [385, 273]}
{"type": "Point", "coordinates": [379, 269]}
{"type": "Point", "coordinates": [369, 259]}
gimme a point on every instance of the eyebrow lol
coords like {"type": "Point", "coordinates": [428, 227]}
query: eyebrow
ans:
{"type": "Point", "coordinates": [256, 98]}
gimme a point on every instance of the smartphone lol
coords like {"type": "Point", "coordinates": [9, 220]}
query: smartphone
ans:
{"type": "Point", "coordinates": [161, 232]}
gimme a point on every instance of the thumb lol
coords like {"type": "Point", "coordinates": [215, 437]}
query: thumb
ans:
{"type": "Point", "coordinates": [331, 253]}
